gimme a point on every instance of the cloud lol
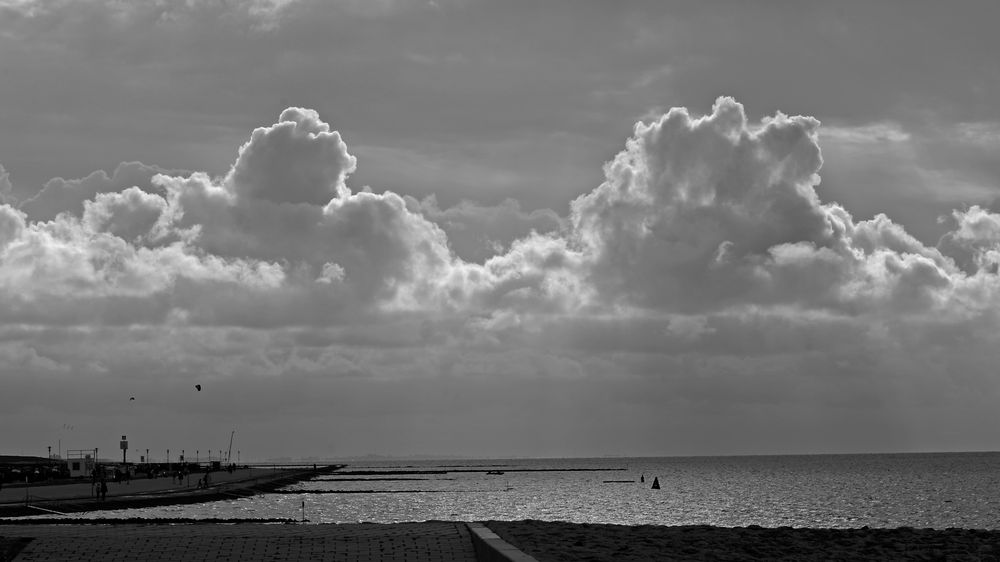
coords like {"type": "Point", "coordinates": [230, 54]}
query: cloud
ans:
{"type": "Point", "coordinates": [706, 261]}
{"type": "Point", "coordinates": [132, 215]}
{"type": "Point", "coordinates": [59, 195]}
{"type": "Point", "coordinates": [297, 160]}
{"type": "Point", "coordinates": [864, 135]}
{"type": "Point", "coordinates": [477, 232]}
{"type": "Point", "coordinates": [6, 188]}
{"type": "Point", "coordinates": [11, 225]}
{"type": "Point", "coordinates": [697, 216]}
{"type": "Point", "coordinates": [690, 205]}
{"type": "Point", "coordinates": [974, 240]}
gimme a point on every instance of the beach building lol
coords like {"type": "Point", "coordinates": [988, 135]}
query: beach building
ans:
{"type": "Point", "coordinates": [17, 468]}
{"type": "Point", "coordinates": [81, 462]}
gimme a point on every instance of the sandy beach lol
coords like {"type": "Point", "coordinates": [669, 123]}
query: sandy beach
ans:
{"type": "Point", "coordinates": [556, 542]}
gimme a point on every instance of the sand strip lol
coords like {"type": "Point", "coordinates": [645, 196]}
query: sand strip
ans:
{"type": "Point", "coordinates": [554, 541]}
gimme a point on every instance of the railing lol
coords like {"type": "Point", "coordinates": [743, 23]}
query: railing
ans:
{"type": "Point", "coordinates": [48, 510]}
{"type": "Point", "coordinates": [61, 502]}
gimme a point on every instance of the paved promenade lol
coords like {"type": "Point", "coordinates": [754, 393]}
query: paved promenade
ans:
{"type": "Point", "coordinates": [140, 485]}
{"type": "Point", "coordinates": [196, 542]}
{"type": "Point", "coordinates": [144, 492]}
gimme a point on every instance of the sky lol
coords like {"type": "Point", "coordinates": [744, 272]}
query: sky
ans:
{"type": "Point", "coordinates": [499, 229]}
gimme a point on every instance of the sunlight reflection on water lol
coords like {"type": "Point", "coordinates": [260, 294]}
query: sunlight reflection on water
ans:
{"type": "Point", "coordinates": [933, 490]}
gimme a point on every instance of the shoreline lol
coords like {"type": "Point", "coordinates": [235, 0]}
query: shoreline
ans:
{"type": "Point", "coordinates": [542, 540]}
{"type": "Point", "coordinates": [559, 542]}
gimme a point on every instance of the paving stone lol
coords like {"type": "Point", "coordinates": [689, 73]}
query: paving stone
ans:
{"type": "Point", "coordinates": [188, 542]}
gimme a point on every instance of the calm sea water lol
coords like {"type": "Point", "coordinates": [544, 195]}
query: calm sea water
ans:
{"type": "Point", "coordinates": [918, 490]}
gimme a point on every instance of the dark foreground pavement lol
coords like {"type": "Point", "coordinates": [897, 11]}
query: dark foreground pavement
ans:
{"type": "Point", "coordinates": [195, 542]}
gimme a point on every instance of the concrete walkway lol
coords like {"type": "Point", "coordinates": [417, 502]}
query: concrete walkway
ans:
{"type": "Point", "coordinates": [143, 492]}
{"type": "Point", "coordinates": [141, 485]}
{"type": "Point", "coordinates": [194, 542]}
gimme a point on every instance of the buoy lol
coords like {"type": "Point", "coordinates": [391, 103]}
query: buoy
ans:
{"type": "Point", "coordinates": [656, 483]}
{"type": "Point", "coordinates": [642, 478]}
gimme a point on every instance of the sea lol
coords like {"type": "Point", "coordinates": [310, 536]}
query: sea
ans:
{"type": "Point", "coordinates": [937, 490]}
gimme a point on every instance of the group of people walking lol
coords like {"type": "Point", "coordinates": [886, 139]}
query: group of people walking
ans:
{"type": "Point", "coordinates": [100, 479]}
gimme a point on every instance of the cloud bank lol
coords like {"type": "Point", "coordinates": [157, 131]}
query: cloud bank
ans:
{"type": "Point", "coordinates": [704, 270]}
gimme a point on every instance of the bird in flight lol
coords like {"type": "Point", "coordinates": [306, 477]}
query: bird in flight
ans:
{"type": "Point", "coordinates": [198, 386]}
{"type": "Point", "coordinates": [131, 398]}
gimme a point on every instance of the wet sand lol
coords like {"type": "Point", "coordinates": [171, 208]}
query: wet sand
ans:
{"type": "Point", "coordinates": [553, 541]}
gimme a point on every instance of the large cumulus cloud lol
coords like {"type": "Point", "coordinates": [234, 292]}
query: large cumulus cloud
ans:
{"type": "Point", "coordinates": [703, 285]}
{"type": "Point", "coordinates": [708, 213]}
{"type": "Point", "coordinates": [706, 239]}
{"type": "Point", "coordinates": [297, 160]}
